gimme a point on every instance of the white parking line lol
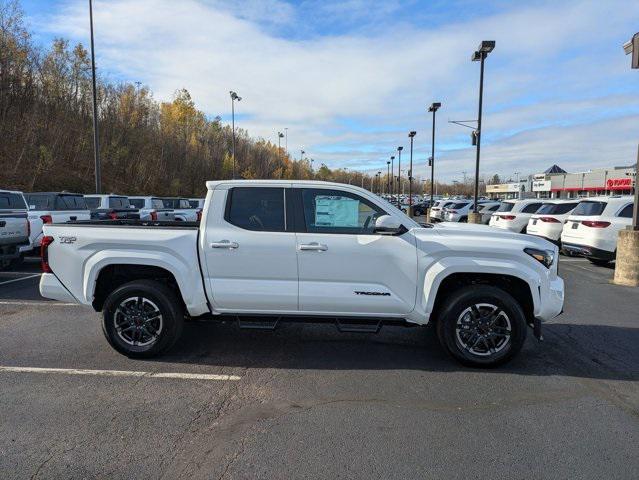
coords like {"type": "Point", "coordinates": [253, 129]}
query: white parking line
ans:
{"type": "Point", "coordinates": [41, 304]}
{"type": "Point", "coordinates": [122, 373]}
{"type": "Point", "coordinates": [19, 279]}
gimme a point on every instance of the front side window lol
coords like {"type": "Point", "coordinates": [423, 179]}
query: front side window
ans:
{"type": "Point", "coordinates": [336, 211]}
{"type": "Point", "coordinates": [626, 212]}
{"type": "Point", "coordinates": [256, 208]}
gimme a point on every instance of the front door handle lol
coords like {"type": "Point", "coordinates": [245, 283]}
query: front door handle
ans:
{"type": "Point", "coordinates": [320, 247]}
{"type": "Point", "coordinates": [225, 244]}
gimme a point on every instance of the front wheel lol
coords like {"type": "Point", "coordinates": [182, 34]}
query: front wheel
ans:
{"type": "Point", "coordinates": [481, 326]}
{"type": "Point", "coordinates": [142, 318]}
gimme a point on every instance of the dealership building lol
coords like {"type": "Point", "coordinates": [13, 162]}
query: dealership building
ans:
{"type": "Point", "coordinates": [557, 183]}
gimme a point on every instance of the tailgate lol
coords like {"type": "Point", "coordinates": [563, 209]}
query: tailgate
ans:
{"type": "Point", "coordinates": [64, 216]}
{"type": "Point", "coordinates": [13, 228]}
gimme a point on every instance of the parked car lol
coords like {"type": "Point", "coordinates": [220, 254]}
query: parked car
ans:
{"type": "Point", "coordinates": [298, 251]}
{"type": "Point", "coordinates": [548, 221]}
{"type": "Point", "coordinates": [592, 228]}
{"type": "Point", "coordinates": [513, 215]}
{"type": "Point", "coordinates": [152, 209]}
{"type": "Point", "coordinates": [182, 209]}
{"type": "Point", "coordinates": [487, 209]}
{"type": "Point", "coordinates": [14, 227]}
{"type": "Point", "coordinates": [437, 211]}
{"type": "Point", "coordinates": [111, 207]}
{"type": "Point", "coordinates": [54, 207]}
{"type": "Point", "coordinates": [458, 212]}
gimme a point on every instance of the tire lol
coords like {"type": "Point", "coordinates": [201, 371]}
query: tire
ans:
{"type": "Point", "coordinates": [463, 220]}
{"type": "Point", "coordinates": [600, 262]}
{"type": "Point", "coordinates": [157, 299]}
{"type": "Point", "coordinates": [524, 230]}
{"type": "Point", "coordinates": [457, 312]}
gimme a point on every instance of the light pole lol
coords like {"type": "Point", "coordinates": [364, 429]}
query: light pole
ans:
{"type": "Point", "coordinates": [96, 143]}
{"type": "Point", "coordinates": [391, 179]}
{"type": "Point", "coordinates": [485, 47]}
{"type": "Point", "coordinates": [399, 173]}
{"type": "Point", "coordinates": [302, 152]}
{"type": "Point", "coordinates": [286, 140]}
{"type": "Point", "coordinates": [312, 173]}
{"type": "Point", "coordinates": [433, 108]}
{"type": "Point", "coordinates": [411, 135]}
{"type": "Point", "coordinates": [234, 97]}
{"type": "Point", "coordinates": [387, 176]}
{"type": "Point", "coordinates": [518, 186]}
{"type": "Point", "coordinates": [379, 182]}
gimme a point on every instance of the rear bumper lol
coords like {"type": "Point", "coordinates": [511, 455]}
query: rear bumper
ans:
{"type": "Point", "coordinates": [51, 287]}
{"type": "Point", "coordinates": [588, 251]}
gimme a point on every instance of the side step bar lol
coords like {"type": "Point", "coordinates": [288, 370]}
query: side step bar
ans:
{"type": "Point", "coordinates": [344, 325]}
{"type": "Point", "coordinates": [257, 323]}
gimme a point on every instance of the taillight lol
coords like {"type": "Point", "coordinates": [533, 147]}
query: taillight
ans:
{"type": "Point", "coordinates": [44, 254]}
{"type": "Point", "coordinates": [154, 216]}
{"type": "Point", "coordinates": [113, 215]}
{"type": "Point", "coordinates": [508, 217]}
{"type": "Point", "coordinates": [46, 218]}
{"type": "Point", "coordinates": [199, 215]}
{"type": "Point", "coordinates": [549, 219]}
{"type": "Point", "coordinates": [595, 224]}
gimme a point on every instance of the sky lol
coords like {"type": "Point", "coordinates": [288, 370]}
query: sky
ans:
{"type": "Point", "coordinates": [350, 79]}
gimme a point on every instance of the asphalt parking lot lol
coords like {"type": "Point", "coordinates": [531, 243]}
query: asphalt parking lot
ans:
{"type": "Point", "coordinates": [307, 402]}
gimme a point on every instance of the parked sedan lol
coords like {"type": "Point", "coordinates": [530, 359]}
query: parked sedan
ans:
{"type": "Point", "coordinates": [111, 207]}
{"type": "Point", "coordinates": [548, 221]}
{"type": "Point", "coordinates": [592, 228]}
{"type": "Point", "coordinates": [513, 215]}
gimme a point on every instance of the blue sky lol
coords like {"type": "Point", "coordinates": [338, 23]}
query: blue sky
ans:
{"type": "Point", "coordinates": [351, 78]}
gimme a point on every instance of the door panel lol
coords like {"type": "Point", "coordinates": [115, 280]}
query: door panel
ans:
{"type": "Point", "coordinates": [257, 271]}
{"type": "Point", "coordinates": [355, 272]}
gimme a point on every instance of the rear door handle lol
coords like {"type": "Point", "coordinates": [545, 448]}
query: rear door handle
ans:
{"type": "Point", "coordinates": [320, 247]}
{"type": "Point", "coordinates": [225, 244]}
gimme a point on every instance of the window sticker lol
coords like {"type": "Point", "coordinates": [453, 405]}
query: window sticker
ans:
{"type": "Point", "coordinates": [336, 212]}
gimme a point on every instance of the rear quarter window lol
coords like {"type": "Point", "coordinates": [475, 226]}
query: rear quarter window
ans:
{"type": "Point", "coordinates": [506, 207]}
{"type": "Point", "coordinates": [589, 208]}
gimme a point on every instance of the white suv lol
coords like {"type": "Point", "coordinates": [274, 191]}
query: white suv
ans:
{"type": "Point", "coordinates": [548, 221]}
{"type": "Point", "coordinates": [513, 215]}
{"type": "Point", "coordinates": [438, 209]}
{"type": "Point", "coordinates": [458, 212]}
{"type": "Point", "coordinates": [592, 228]}
{"type": "Point", "coordinates": [487, 209]}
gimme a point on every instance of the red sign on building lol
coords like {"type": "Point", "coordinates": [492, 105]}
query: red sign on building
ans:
{"type": "Point", "coordinates": [619, 183]}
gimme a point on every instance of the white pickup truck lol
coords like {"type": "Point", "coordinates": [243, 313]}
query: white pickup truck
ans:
{"type": "Point", "coordinates": [305, 251]}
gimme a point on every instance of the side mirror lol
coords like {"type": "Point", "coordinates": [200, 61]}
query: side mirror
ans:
{"type": "Point", "coordinates": [387, 225]}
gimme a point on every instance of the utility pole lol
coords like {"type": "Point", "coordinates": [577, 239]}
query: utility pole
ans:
{"type": "Point", "coordinates": [234, 97]}
{"type": "Point", "coordinates": [96, 141]}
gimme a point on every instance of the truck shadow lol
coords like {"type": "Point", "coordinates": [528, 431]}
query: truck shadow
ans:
{"type": "Point", "coordinates": [588, 351]}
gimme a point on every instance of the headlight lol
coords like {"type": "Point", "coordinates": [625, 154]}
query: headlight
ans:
{"type": "Point", "coordinates": [545, 257]}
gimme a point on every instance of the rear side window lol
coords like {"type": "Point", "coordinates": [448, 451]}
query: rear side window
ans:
{"type": "Point", "coordinates": [589, 208]}
{"type": "Point", "coordinates": [256, 208]}
{"type": "Point", "coordinates": [70, 202]}
{"type": "Point", "coordinates": [506, 207]}
{"type": "Point", "coordinates": [12, 201]}
{"type": "Point", "coordinates": [92, 202]}
{"type": "Point", "coordinates": [119, 202]}
{"type": "Point", "coordinates": [626, 212]}
{"type": "Point", "coordinates": [137, 202]}
{"type": "Point", "coordinates": [532, 208]}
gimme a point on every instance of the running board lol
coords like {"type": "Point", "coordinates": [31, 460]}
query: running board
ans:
{"type": "Point", "coordinates": [266, 323]}
{"type": "Point", "coordinates": [350, 326]}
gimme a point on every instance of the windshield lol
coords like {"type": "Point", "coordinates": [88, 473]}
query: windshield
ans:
{"type": "Point", "coordinates": [506, 207]}
{"type": "Point", "coordinates": [589, 208]}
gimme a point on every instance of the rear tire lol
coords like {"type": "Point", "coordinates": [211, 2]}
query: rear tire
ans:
{"type": "Point", "coordinates": [142, 318]}
{"type": "Point", "coordinates": [481, 326]}
{"type": "Point", "coordinates": [600, 262]}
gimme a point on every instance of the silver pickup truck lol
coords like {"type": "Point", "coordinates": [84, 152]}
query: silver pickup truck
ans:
{"type": "Point", "coordinates": [14, 227]}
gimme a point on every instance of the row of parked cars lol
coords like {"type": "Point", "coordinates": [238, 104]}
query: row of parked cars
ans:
{"type": "Point", "coordinates": [22, 215]}
{"type": "Point", "coordinates": [587, 227]}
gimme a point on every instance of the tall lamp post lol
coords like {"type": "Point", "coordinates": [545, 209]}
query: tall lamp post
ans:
{"type": "Point", "coordinates": [388, 176]}
{"type": "Point", "coordinates": [391, 180]}
{"type": "Point", "coordinates": [433, 108]}
{"type": "Point", "coordinates": [399, 173]}
{"type": "Point", "coordinates": [302, 152]}
{"type": "Point", "coordinates": [411, 135]}
{"type": "Point", "coordinates": [234, 98]}
{"type": "Point", "coordinates": [379, 182]}
{"type": "Point", "coordinates": [485, 47]}
{"type": "Point", "coordinates": [627, 260]}
{"type": "Point", "coordinates": [96, 143]}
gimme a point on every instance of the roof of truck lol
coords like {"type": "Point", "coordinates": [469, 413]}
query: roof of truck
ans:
{"type": "Point", "coordinates": [214, 183]}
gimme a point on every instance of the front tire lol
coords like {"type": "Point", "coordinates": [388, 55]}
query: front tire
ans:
{"type": "Point", "coordinates": [481, 326]}
{"type": "Point", "coordinates": [142, 318]}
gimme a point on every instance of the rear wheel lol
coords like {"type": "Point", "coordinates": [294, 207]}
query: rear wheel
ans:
{"type": "Point", "coordinates": [481, 326]}
{"type": "Point", "coordinates": [142, 319]}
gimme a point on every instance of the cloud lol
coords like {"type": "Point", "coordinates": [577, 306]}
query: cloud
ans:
{"type": "Point", "coordinates": [351, 94]}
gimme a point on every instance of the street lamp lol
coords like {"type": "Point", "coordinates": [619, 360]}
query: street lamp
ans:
{"type": "Point", "coordinates": [312, 173]}
{"type": "Point", "coordinates": [280, 136]}
{"type": "Point", "coordinates": [433, 108]}
{"type": "Point", "coordinates": [388, 176]}
{"type": "Point", "coordinates": [411, 135]}
{"type": "Point", "coordinates": [485, 47]}
{"type": "Point", "coordinates": [391, 181]}
{"type": "Point", "coordinates": [302, 152]}
{"type": "Point", "coordinates": [234, 98]}
{"type": "Point", "coordinates": [96, 145]}
{"type": "Point", "coordinates": [399, 173]}
{"type": "Point", "coordinates": [379, 182]}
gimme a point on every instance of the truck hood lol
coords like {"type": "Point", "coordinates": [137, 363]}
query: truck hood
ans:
{"type": "Point", "coordinates": [473, 236]}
